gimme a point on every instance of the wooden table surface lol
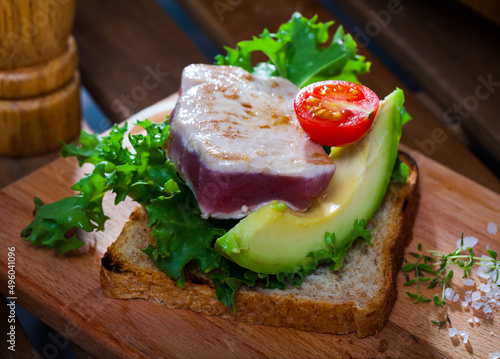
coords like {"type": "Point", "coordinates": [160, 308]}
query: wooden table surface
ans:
{"type": "Point", "coordinates": [437, 53]}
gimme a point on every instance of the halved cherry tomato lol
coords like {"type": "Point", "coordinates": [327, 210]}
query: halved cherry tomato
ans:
{"type": "Point", "coordinates": [336, 113]}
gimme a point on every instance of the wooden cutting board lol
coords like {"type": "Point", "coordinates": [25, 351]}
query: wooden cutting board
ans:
{"type": "Point", "coordinates": [64, 291]}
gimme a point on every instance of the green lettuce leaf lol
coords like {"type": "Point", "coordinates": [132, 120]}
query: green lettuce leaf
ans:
{"type": "Point", "coordinates": [228, 278]}
{"type": "Point", "coordinates": [333, 255]}
{"type": "Point", "coordinates": [400, 171]}
{"type": "Point", "coordinates": [181, 236]}
{"type": "Point", "coordinates": [117, 169]}
{"type": "Point", "coordinates": [405, 116]}
{"type": "Point", "coordinates": [298, 52]}
{"type": "Point", "coordinates": [360, 231]}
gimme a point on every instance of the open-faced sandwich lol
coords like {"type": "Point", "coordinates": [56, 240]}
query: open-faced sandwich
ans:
{"type": "Point", "coordinates": [274, 194]}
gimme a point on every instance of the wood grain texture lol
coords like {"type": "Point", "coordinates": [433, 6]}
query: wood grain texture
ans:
{"type": "Point", "coordinates": [41, 79]}
{"type": "Point", "coordinates": [33, 31]}
{"type": "Point", "coordinates": [34, 125]}
{"type": "Point", "coordinates": [131, 54]}
{"type": "Point", "coordinates": [64, 291]}
{"type": "Point", "coordinates": [223, 25]}
{"type": "Point", "coordinates": [15, 168]}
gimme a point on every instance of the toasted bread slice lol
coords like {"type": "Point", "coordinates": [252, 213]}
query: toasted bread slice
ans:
{"type": "Point", "coordinates": [359, 297]}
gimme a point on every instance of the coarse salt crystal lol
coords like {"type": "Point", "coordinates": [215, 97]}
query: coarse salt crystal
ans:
{"type": "Point", "coordinates": [467, 298]}
{"type": "Point", "coordinates": [452, 332]}
{"type": "Point", "coordinates": [476, 295]}
{"type": "Point", "coordinates": [466, 337]}
{"type": "Point", "coordinates": [495, 355]}
{"type": "Point", "coordinates": [244, 209]}
{"type": "Point", "coordinates": [484, 287]}
{"type": "Point", "coordinates": [469, 282]}
{"type": "Point", "coordinates": [468, 242]}
{"type": "Point", "coordinates": [468, 292]}
{"type": "Point", "coordinates": [456, 297]}
{"type": "Point", "coordinates": [461, 332]}
{"type": "Point", "coordinates": [492, 228]}
{"type": "Point", "coordinates": [487, 309]}
{"type": "Point", "coordinates": [464, 303]}
{"type": "Point", "coordinates": [476, 319]}
{"type": "Point", "coordinates": [481, 272]}
{"type": "Point", "coordinates": [476, 305]}
{"type": "Point", "coordinates": [449, 293]}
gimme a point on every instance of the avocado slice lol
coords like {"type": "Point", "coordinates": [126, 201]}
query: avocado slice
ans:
{"type": "Point", "coordinates": [275, 239]}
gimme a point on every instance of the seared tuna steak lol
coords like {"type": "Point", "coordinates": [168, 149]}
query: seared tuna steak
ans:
{"type": "Point", "coordinates": [235, 140]}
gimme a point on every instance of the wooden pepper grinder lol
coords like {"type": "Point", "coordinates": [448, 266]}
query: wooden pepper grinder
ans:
{"type": "Point", "coordinates": [39, 79]}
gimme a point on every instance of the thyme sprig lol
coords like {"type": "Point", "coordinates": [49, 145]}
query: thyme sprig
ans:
{"type": "Point", "coordinates": [463, 259]}
{"type": "Point", "coordinates": [419, 268]}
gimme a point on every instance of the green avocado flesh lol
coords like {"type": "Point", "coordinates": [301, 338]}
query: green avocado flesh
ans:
{"type": "Point", "coordinates": [273, 239]}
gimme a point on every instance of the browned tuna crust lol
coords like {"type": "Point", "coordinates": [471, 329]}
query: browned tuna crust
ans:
{"type": "Point", "coordinates": [236, 141]}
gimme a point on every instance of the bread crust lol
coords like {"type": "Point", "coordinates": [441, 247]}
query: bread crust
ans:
{"type": "Point", "coordinates": [127, 273]}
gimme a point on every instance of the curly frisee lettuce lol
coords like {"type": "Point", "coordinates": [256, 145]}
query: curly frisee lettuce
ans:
{"type": "Point", "coordinates": [297, 52]}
